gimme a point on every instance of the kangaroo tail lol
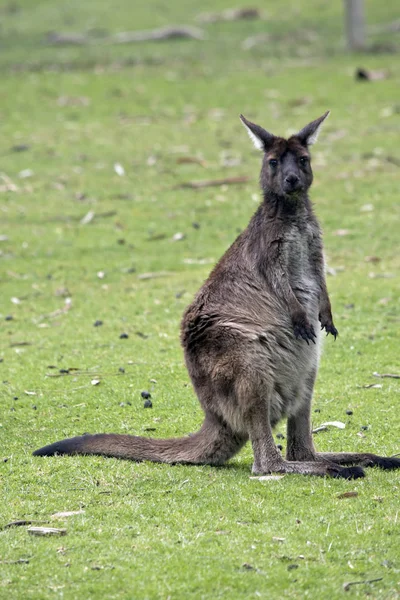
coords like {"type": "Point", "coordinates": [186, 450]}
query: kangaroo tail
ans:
{"type": "Point", "coordinates": [213, 444]}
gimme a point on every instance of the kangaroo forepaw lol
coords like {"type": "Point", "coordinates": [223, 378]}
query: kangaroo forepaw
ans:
{"type": "Point", "coordinates": [330, 329]}
{"type": "Point", "coordinates": [305, 331]}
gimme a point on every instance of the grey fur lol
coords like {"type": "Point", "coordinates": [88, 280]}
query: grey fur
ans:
{"type": "Point", "coordinates": [251, 337]}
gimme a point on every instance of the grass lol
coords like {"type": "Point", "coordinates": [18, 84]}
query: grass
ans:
{"type": "Point", "coordinates": [159, 531]}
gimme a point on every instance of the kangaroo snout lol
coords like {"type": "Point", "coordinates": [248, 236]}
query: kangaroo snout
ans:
{"type": "Point", "coordinates": [291, 182]}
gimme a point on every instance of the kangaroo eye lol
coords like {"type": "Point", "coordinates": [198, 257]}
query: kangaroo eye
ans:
{"type": "Point", "coordinates": [273, 163]}
{"type": "Point", "coordinates": [304, 160]}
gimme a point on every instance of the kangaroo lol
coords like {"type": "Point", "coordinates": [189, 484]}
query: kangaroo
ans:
{"type": "Point", "coordinates": [251, 337]}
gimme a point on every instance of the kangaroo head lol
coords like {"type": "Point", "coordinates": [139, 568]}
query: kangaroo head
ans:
{"type": "Point", "coordinates": [286, 168]}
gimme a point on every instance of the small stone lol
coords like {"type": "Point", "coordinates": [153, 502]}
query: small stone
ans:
{"type": "Point", "coordinates": [317, 410]}
{"type": "Point", "coordinates": [34, 407]}
{"type": "Point", "coordinates": [121, 370]}
{"type": "Point", "coordinates": [97, 323]}
{"type": "Point", "coordinates": [280, 447]}
{"type": "Point", "coordinates": [15, 398]}
{"type": "Point", "coordinates": [291, 567]}
{"type": "Point", "coordinates": [123, 336]}
{"type": "Point", "coordinates": [9, 318]}
{"type": "Point", "coordinates": [196, 225]}
{"type": "Point", "coordinates": [148, 404]}
{"type": "Point", "coordinates": [280, 436]}
{"type": "Point", "coordinates": [349, 412]}
{"type": "Point", "coordinates": [364, 427]}
{"type": "Point", "coordinates": [145, 394]}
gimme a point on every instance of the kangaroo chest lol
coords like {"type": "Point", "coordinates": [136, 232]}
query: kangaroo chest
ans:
{"type": "Point", "coordinates": [300, 268]}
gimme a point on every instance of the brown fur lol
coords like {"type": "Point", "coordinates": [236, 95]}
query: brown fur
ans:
{"type": "Point", "coordinates": [251, 336]}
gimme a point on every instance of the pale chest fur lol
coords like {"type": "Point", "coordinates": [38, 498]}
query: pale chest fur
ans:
{"type": "Point", "coordinates": [301, 271]}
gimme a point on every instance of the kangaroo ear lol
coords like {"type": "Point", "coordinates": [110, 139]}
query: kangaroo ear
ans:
{"type": "Point", "coordinates": [309, 134]}
{"type": "Point", "coordinates": [261, 139]}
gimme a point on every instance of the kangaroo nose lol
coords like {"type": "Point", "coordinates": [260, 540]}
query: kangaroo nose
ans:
{"type": "Point", "coordinates": [292, 180]}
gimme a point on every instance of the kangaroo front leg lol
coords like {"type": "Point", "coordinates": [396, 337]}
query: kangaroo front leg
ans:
{"type": "Point", "coordinates": [267, 458]}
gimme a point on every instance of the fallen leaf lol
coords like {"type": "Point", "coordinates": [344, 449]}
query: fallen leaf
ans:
{"type": "Point", "coordinates": [60, 311]}
{"type": "Point", "coordinates": [62, 292]}
{"type": "Point", "coordinates": [372, 259]}
{"type": "Point", "coordinates": [371, 385]}
{"type": "Point", "coordinates": [392, 375]}
{"type": "Point", "coordinates": [393, 160]}
{"type": "Point", "coordinates": [67, 39]}
{"type": "Point", "coordinates": [347, 586]}
{"type": "Point", "coordinates": [337, 424]}
{"type": "Point", "coordinates": [119, 169]}
{"type": "Point", "coordinates": [341, 232]}
{"type": "Point", "coordinates": [9, 185]}
{"type": "Point", "coordinates": [164, 33]}
{"type": "Point", "coordinates": [248, 567]}
{"type": "Point", "coordinates": [214, 182]}
{"type": "Point", "coordinates": [256, 40]}
{"type": "Point", "coordinates": [268, 477]}
{"type": "Point", "coordinates": [25, 173]}
{"type": "Point", "coordinates": [20, 523]}
{"type": "Point", "coordinates": [70, 513]}
{"type": "Point", "coordinates": [325, 426]}
{"type": "Point", "coordinates": [43, 531]}
{"type": "Point", "coordinates": [24, 561]}
{"type": "Point", "coordinates": [182, 160]}
{"type": "Point", "coordinates": [231, 14]}
{"type": "Point", "coordinates": [198, 261]}
{"type": "Point", "coordinates": [88, 218]}
{"type": "Point", "coordinates": [380, 275]}
{"type": "Point", "coordinates": [179, 236]}
{"type": "Point", "coordinates": [363, 74]}
{"type": "Point", "coordinates": [73, 101]}
{"type": "Point", "coordinates": [154, 275]}
{"type": "Point", "coordinates": [367, 208]}
{"type": "Point", "coordinates": [347, 495]}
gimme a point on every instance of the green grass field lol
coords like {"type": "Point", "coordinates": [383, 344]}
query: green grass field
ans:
{"type": "Point", "coordinates": [77, 240]}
